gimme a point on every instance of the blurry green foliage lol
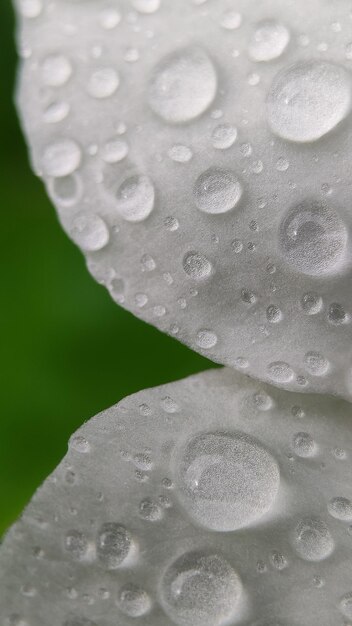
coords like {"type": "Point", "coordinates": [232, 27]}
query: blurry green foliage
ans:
{"type": "Point", "coordinates": [67, 351]}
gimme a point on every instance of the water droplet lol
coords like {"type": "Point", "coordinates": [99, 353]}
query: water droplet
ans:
{"type": "Point", "coordinates": [171, 223]}
{"type": "Point", "coordinates": [133, 601]}
{"type": "Point", "coordinates": [79, 444]}
{"type": "Point", "coordinates": [89, 232]}
{"type": "Point", "coordinates": [312, 539]}
{"type": "Point", "coordinates": [282, 164]}
{"type": "Point", "coordinates": [231, 20]}
{"type": "Point", "coordinates": [56, 70]}
{"type": "Point", "coordinates": [114, 544]}
{"type": "Point", "coordinates": [273, 314]}
{"type": "Point", "coordinates": [304, 445]}
{"type": "Point", "coordinates": [280, 372]}
{"type": "Point", "coordinates": [103, 83]}
{"type": "Point", "coordinates": [301, 90]}
{"type": "Point", "coordinates": [226, 480]}
{"type": "Point", "coordinates": [66, 190]}
{"type": "Point", "coordinates": [197, 265]}
{"type": "Point", "coordinates": [278, 560]}
{"type": "Point", "coordinates": [316, 363]}
{"type": "Point", "coordinates": [146, 6]}
{"type": "Point", "coordinates": [201, 589]}
{"type": "Point", "coordinates": [313, 238]}
{"type": "Point", "coordinates": [180, 153]}
{"type": "Point", "coordinates": [169, 405]}
{"type": "Point", "coordinates": [150, 510]}
{"type": "Point", "coordinates": [206, 339]}
{"type": "Point", "coordinates": [61, 158]}
{"type": "Point", "coordinates": [269, 41]}
{"type": "Point", "coordinates": [30, 8]}
{"type": "Point", "coordinates": [135, 198]}
{"type": "Point", "coordinates": [175, 82]}
{"type": "Point", "coordinates": [311, 303]}
{"type": "Point", "coordinates": [217, 191]}
{"type": "Point", "coordinates": [262, 401]}
{"type": "Point", "coordinates": [340, 508]}
{"type": "Point", "coordinates": [115, 150]}
{"type": "Point", "coordinates": [336, 314]}
{"type": "Point", "coordinates": [76, 544]}
{"type": "Point", "coordinates": [224, 136]}
{"type": "Point", "coordinates": [346, 605]}
{"type": "Point", "coordinates": [109, 18]}
{"type": "Point", "coordinates": [56, 112]}
{"type": "Point", "coordinates": [148, 264]}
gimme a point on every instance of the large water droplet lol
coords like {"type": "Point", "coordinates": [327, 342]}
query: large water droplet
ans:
{"type": "Point", "coordinates": [103, 83]}
{"type": "Point", "coordinates": [340, 508]}
{"type": "Point", "coordinates": [61, 158]}
{"type": "Point", "coordinates": [309, 99]}
{"type": "Point", "coordinates": [312, 539]}
{"type": "Point", "coordinates": [114, 543]}
{"type": "Point", "coordinates": [313, 238]}
{"type": "Point", "coordinates": [135, 198]}
{"type": "Point", "coordinates": [89, 232]}
{"type": "Point", "coordinates": [269, 41]}
{"type": "Point", "coordinates": [226, 480]}
{"type": "Point", "coordinates": [183, 85]}
{"type": "Point", "coordinates": [133, 601]}
{"type": "Point", "coordinates": [201, 589]}
{"type": "Point", "coordinates": [217, 191]}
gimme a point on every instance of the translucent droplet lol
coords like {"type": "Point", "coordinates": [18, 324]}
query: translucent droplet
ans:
{"type": "Point", "coordinates": [307, 100]}
{"type": "Point", "coordinates": [114, 543]}
{"type": "Point", "coordinates": [79, 444]}
{"type": "Point", "coordinates": [280, 372]}
{"type": "Point", "coordinates": [217, 191]}
{"type": "Point", "coordinates": [76, 544]}
{"type": "Point", "coordinates": [180, 153]}
{"type": "Point", "coordinates": [109, 18]}
{"type": "Point", "coordinates": [66, 190]}
{"type": "Point", "coordinates": [56, 70]}
{"type": "Point", "coordinates": [231, 20]}
{"type": "Point", "coordinates": [341, 508]}
{"type": "Point", "coordinates": [89, 232]}
{"type": "Point", "coordinates": [346, 605]}
{"type": "Point", "coordinates": [61, 158]}
{"type": "Point", "coordinates": [226, 480]}
{"type": "Point", "coordinates": [135, 198]}
{"type": "Point", "coordinates": [150, 510]}
{"type": "Point", "coordinates": [304, 445]}
{"type": "Point", "coordinates": [311, 303]}
{"type": "Point", "coordinates": [201, 589]}
{"type": "Point", "coordinates": [146, 6]}
{"type": "Point", "coordinates": [196, 265]}
{"type": "Point", "coordinates": [273, 314]}
{"type": "Point", "coordinates": [30, 8]}
{"type": "Point", "coordinates": [316, 363]}
{"type": "Point", "coordinates": [56, 112]}
{"type": "Point", "coordinates": [103, 83]}
{"type": "Point", "coordinates": [336, 314]}
{"type": "Point", "coordinates": [133, 601]}
{"type": "Point", "coordinates": [224, 136]}
{"type": "Point", "coordinates": [206, 339]}
{"type": "Point", "coordinates": [313, 238]}
{"type": "Point", "coordinates": [115, 150]}
{"type": "Point", "coordinates": [183, 85]}
{"type": "Point", "coordinates": [312, 539]}
{"type": "Point", "coordinates": [269, 41]}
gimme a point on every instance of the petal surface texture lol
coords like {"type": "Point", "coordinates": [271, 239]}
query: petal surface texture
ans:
{"type": "Point", "coordinates": [215, 500]}
{"type": "Point", "coordinates": [199, 155]}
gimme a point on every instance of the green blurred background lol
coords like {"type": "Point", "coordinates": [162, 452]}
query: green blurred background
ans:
{"type": "Point", "coordinates": [67, 350]}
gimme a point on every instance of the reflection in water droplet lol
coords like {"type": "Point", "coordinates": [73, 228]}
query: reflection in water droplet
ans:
{"type": "Point", "coordinates": [89, 232]}
{"type": "Point", "coordinates": [217, 191]}
{"type": "Point", "coordinates": [114, 543]}
{"type": "Point", "coordinates": [197, 265]}
{"type": "Point", "coordinates": [135, 198]}
{"type": "Point", "coordinates": [269, 41]}
{"type": "Point", "coordinates": [312, 539]}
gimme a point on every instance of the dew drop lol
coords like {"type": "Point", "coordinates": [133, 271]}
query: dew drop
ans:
{"type": "Point", "coordinates": [133, 601]}
{"type": "Point", "coordinates": [201, 589]}
{"type": "Point", "coordinates": [150, 510]}
{"type": "Point", "coordinates": [312, 539]}
{"type": "Point", "coordinates": [61, 158]}
{"type": "Point", "coordinates": [346, 605]}
{"type": "Point", "coordinates": [196, 265]}
{"type": "Point", "coordinates": [180, 153]}
{"type": "Point", "coordinates": [135, 198]}
{"type": "Point", "coordinates": [89, 232]}
{"type": "Point", "coordinates": [79, 444]}
{"type": "Point", "coordinates": [226, 480]}
{"type": "Point", "coordinates": [269, 41]}
{"type": "Point", "coordinates": [311, 303]}
{"type": "Point", "coordinates": [56, 112]}
{"type": "Point", "coordinates": [316, 363]}
{"type": "Point", "coordinates": [280, 372]}
{"type": "Point", "coordinates": [183, 85]}
{"type": "Point", "coordinates": [114, 543]}
{"type": "Point", "coordinates": [304, 445]}
{"type": "Point", "coordinates": [115, 150]}
{"type": "Point", "coordinates": [307, 100]}
{"type": "Point", "coordinates": [336, 314]}
{"type": "Point", "coordinates": [103, 83]}
{"type": "Point", "coordinates": [56, 70]}
{"type": "Point", "coordinates": [273, 314]}
{"type": "Point", "coordinates": [76, 544]}
{"type": "Point", "coordinates": [217, 191]}
{"type": "Point", "coordinates": [66, 190]}
{"type": "Point", "coordinates": [30, 8]}
{"type": "Point", "coordinates": [341, 508]}
{"type": "Point", "coordinates": [206, 339]}
{"type": "Point", "coordinates": [313, 238]}
{"type": "Point", "coordinates": [224, 136]}
{"type": "Point", "coordinates": [146, 6]}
